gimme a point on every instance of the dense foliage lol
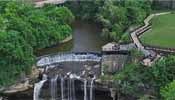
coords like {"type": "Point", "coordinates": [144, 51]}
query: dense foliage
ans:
{"type": "Point", "coordinates": [115, 16]}
{"type": "Point", "coordinates": [168, 92]}
{"type": "Point", "coordinates": [24, 28]}
{"type": "Point", "coordinates": [137, 80]}
{"type": "Point", "coordinates": [16, 57]}
{"type": "Point", "coordinates": [163, 4]}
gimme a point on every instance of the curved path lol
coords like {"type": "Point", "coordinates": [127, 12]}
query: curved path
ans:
{"type": "Point", "coordinates": [135, 36]}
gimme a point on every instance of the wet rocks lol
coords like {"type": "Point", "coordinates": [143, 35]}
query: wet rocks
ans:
{"type": "Point", "coordinates": [18, 87]}
{"type": "Point", "coordinates": [23, 84]}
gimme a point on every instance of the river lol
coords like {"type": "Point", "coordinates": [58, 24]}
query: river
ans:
{"type": "Point", "coordinates": [86, 38]}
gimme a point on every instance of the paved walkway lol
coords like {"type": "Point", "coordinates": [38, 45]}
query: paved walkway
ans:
{"type": "Point", "coordinates": [41, 3]}
{"type": "Point", "coordinates": [135, 37]}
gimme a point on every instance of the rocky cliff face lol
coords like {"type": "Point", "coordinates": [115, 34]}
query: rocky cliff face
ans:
{"type": "Point", "coordinates": [24, 85]}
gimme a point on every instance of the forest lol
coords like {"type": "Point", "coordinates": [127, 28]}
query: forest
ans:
{"type": "Point", "coordinates": [24, 29]}
{"type": "Point", "coordinates": [134, 80]}
{"type": "Point", "coordinates": [115, 16]}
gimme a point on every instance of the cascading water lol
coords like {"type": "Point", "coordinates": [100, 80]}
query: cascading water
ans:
{"type": "Point", "coordinates": [68, 89]}
{"type": "Point", "coordinates": [91, 88]}
{"type": "Point", "coordinates": [49, 60]}
{"type": "Point", "coordinates": [37, 88]}
{"type": "Point", "coordinates": [62, 88]}
{"type": "Point", "coordinates": [44, 77]}
{"type": "Point", "coordinates": [71, 88]}
{"type": "Point", "coordinates": [71, 94]}
{"type": "Point", "coordinates": [85, 89]}
{"type": "Point", "coordinates": [53, 85]}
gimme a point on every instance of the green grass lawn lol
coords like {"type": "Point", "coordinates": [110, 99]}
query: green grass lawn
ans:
{"type": "Point", "coordinates": [162, 33]}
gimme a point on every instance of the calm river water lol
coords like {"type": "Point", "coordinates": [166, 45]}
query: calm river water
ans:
{"type": "Point", "coordinates": [86, 37]}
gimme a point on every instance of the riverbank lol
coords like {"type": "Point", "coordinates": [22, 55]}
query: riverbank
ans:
{"type": "Point", "coordinates": [28, 82]}
{"type": "Point", "coordinates": [67, 39]}
{"type": "Point", "coordinates": [23, 84]}
{"type": "Point", "coordinates": [86, 36]}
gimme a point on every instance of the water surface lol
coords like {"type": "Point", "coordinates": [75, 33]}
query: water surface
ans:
{"type": "Point", "coordinates": [86, 37]}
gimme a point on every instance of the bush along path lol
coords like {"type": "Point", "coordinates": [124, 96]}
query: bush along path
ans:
{"type": "Point", "coordinates": [150, 54]}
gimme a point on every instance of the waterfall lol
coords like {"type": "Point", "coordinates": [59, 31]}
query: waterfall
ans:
{"type": "Point", "coordinates": [91, 88]}
{"type": "Point", "coordinates": [49, 60]}
{"type": "Point", "coordinates": [68, 89]}
{"type": "Point", "coordinates": [44, 77]}
{"type": "Point", "coordinates": [53, 85]}
{"type": "Point", "coordinates": [71, 88]}
{"type": "Point", "coordinates": [62, 88]}
{"type": "Point", "coordinates": [37, 88]}
{"type": "Point", "coordinates": [85, 89]}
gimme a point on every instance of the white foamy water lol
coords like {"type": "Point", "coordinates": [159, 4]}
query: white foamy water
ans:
{"type": "Point", "coordinates": [38, 87]}
{"type": "Point", "coordinates": [91, 88]}
{"type": "Point", "coordinates": [53, 86]}
{"type": "Point", "coordinates": [67, 58]}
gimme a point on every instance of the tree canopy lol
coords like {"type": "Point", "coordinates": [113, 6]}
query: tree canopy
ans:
{"type": "Point", "coordinates": [115, 16]}
{"type": "Point", "coordinates": [137, 80]}
{"type": "Point", "coordinates": [168, 92]}
{"type": "Point", "coordinates": [23, 29]}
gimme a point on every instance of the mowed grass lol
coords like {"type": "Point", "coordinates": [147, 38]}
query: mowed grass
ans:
{"type": "Point", "coordinates": [162, 33]}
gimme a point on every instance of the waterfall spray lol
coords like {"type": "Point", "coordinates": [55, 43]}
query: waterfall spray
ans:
{"type": "Point", "coordinates": [73, 89]}
{"type": "Point", "coordinates": [62, 88]}
{"type": "Point", "coordinates": [85, 89]}
{"type": "Point", "coordinates": [68, 90]}
{"type": "Point", "coordinates": [91, 88]}
{"type": "Point", "coordinates": [53, 88]}
{"type": "Point", "coordinates": [38, 87]}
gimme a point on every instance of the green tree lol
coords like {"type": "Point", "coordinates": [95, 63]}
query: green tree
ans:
{"type": "Point", "coordinates": [16, 57]}
{"type": "Point", "coordinates": [61, 15]}
{"type": "Point", "coordinates": [136, 80]}
{"type": "Point", "coordinates": [24, 28]}
{"type": "Point", "coordinates": [130, 80]}
{"type": "Point", "coordinates": [115, 16]}
{"type": "Point", "coordinates": [168, 92]}
{"type": "Point", "coordinates": [162, 73]}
